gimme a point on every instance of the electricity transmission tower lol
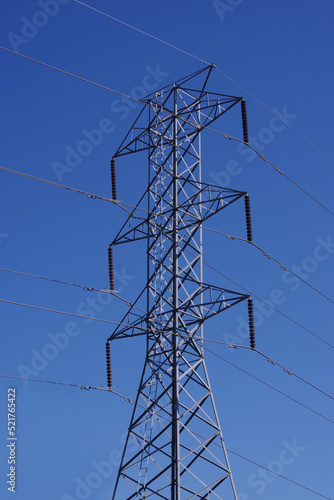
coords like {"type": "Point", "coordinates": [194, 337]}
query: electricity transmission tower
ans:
{"type": "Point", "coordinates": [174, 448]}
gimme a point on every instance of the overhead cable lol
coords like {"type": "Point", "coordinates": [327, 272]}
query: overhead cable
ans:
{"type": "Point", "coordinates": [270, 360]}
{"type": "Point", "coordinates": [69, 74]}
{"type": "Point", "coordinates": [270, 386]}
{"type": "Point", "coordinates": [266, 254]}
{"type": "Point", "coordinates": [84, 387]}
{"type": "Point", "coordinates": [80, 191]}
{"type": "Point", "coordinates": [275, 167]}
{"type": "Point", "coordinates": [68, 313]}
{"type": "Point", "coordinates": [203, 61]}
{"type": "Point", "coordinates": [108, 389]}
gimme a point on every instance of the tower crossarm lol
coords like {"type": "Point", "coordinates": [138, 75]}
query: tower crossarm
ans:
{"type": "Point", "coordinates": [202, 204]}
{"type": "Point", "coordinates": [206, 301]}
{"type": "Point", "coordinates": [201, 111]}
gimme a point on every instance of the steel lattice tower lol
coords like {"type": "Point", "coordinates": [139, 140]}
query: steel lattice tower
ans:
{"type": "Point", "coordinates": [180, 452]}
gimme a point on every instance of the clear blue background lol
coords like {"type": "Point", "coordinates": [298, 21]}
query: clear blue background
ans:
{"type": "Point", "coordinates": [282, 53]}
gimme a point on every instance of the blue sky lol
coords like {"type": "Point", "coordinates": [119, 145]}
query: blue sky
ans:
{"type": "Point", "coordinates": [281, 53]}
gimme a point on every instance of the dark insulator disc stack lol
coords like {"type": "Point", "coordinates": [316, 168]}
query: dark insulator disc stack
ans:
{"type": "Point", "coordinates": [251, 323]}
{"type": "Point", "coordinates": [113, 179]}
{"type": "Point", "coordinates": [111, 269]}
{"type": "Point", "coordinates": [244, 120]}
{"type": "Point", "coordinates": [108, 364]}
{"type": "Point", "coordinates": [248, 218]}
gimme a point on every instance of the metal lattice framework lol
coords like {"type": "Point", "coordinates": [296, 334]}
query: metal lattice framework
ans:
{"type": "Point", "coordinates": [179, 452]}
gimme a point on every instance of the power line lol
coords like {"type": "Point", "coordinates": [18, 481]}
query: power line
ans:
{"type": "Point", "coordinates": [113, 322]}
{"type": "Point", "coordinates": [250, 461]}
{"type": "Point", "coordinates": [280, 475]}
{"type": "Point", "coordinates": [147, 103]}
{"type": "Point", "coordinates": [123, 205]}
{"type": "Point", "coordinates": [107, 389]}
{"type": "Point", "coordinates": [132, 305]}
{"type": "Point", "coordinates": [272, 307]}
{"type": "Point", "coordinates": [277, 116]}
{"type": "Point", "coordinates": [270, 386]}
{"type": "Point", "coordinates": [89, 195]}
{"type": "Point", "coordinates": [68, 314]}
{"type": "Point", "coordinates": [218, 69]}
{"type": "Point", "coordinates": [70, 74]}
{"type": "Point", "coordinates": [88, 288]}
{"type": "Point", "coordinates": [83, 287]}
{"type": "Point", "coordinates": [275, 167]}
{"type": "Point", "coordinates": [143, 102]}
{"type": "Point", "coordinates": [260, 380]}
{"type": "Point", "coordinates": [105, 320]}
{"type": "Point", "coordinates": [141, 31]}
{"type": "Point", "coordinates": [206, 263]}
{"type": "Point", "coordinates": [273, 362]}
{"type": "Point", "coordinates": [266, 254]}
{"type": "Point", "coordinates": [84, 387]}
{"type": "Point", "coordinates": [267, 303]}
{"type": "Point", "coordinates": [37, 61]}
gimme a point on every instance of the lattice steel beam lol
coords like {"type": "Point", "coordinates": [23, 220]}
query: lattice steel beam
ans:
{"type": "Point", "coordinates": [179, 452]}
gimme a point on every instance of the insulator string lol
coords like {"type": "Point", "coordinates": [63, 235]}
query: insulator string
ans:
{"type": "Point", "coordinates": [113, 179]}
{"type": "Point", "coordinates": [248, 219]}
{"type": "Point", "coordinates": [111, 269]}
{"type": "Point", "coordinates": [108, 359]}
{"type": "Point", "coordinates": [251, 323]}
{"type": "Point", "coordinates": [244, 120]}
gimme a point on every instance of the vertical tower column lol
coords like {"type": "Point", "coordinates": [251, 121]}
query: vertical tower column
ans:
{"type": "Point", "coordinates": [175, 493]}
